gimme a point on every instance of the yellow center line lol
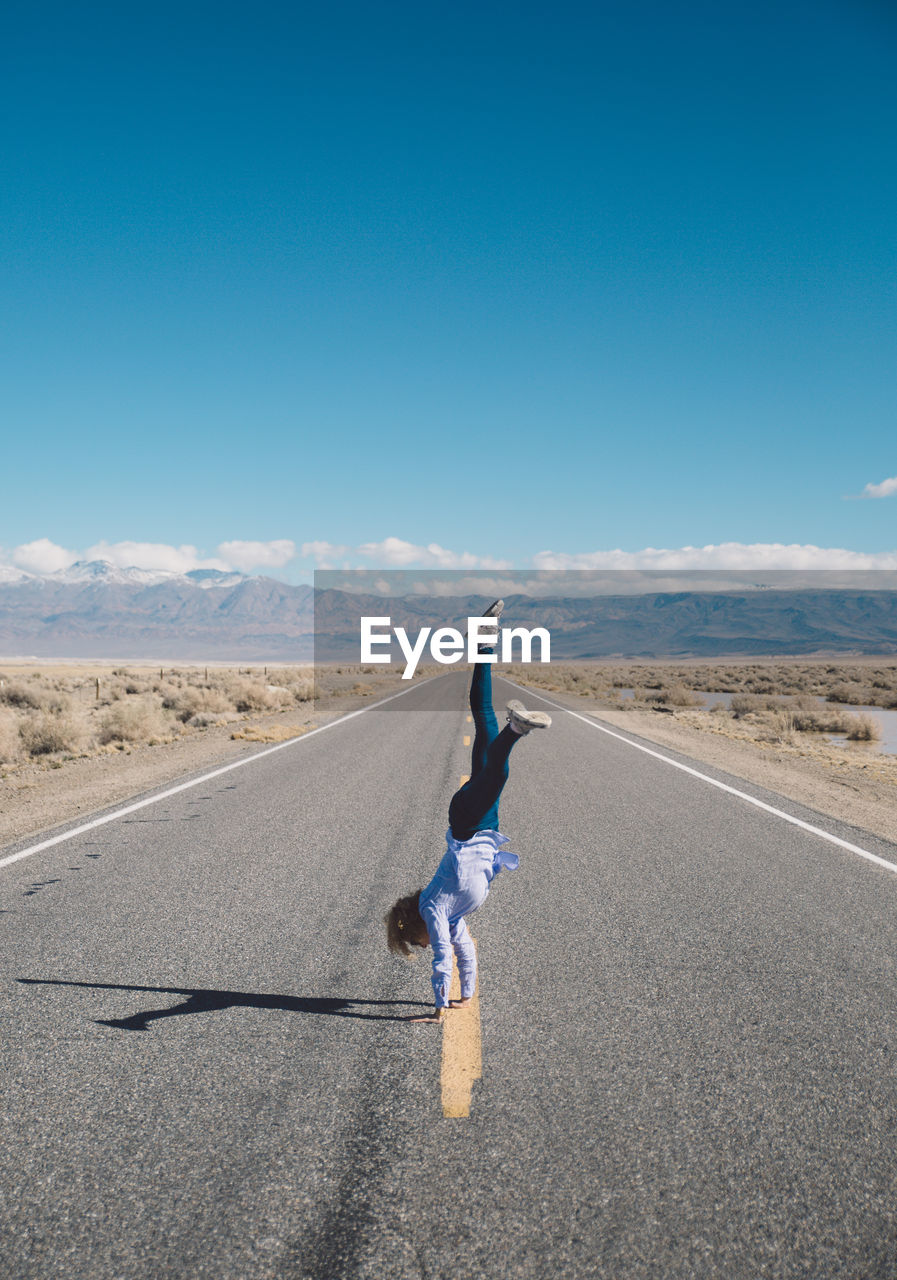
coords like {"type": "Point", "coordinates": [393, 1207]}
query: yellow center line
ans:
{"type": "Point", "coordinates": [462, 1053]}
{"type": "Point", "coordinates": [465, 777]}
{"type": "Point", "coordinates": [466, 740]}
{"type": "Point", "coordinates": [470, 719]}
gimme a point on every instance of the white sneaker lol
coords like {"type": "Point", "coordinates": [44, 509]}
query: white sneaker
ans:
{"type": "Point", "coordinates": [494, 611]}
{"type": "Point", "coordinates": [521, 720]}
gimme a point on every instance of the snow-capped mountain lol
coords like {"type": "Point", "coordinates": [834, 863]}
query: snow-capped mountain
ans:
{"type": "Point", "coordinates": [8, 573]}
{"type": "Point", "coordinates": [95, 609]}
{"type": "Point", "coordinates": [215, 578]}
{"type": "Point", "coordinates": [103, 571]}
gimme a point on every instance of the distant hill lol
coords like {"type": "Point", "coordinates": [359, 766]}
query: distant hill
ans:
{"type": "Point", "coordinates": [94, 610]}
{"type": "Point", "coordinates": [659, 625]}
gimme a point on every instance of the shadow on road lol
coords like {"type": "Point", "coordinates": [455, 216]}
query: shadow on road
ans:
{"type": "Point", "coordinates": [200, 1000]}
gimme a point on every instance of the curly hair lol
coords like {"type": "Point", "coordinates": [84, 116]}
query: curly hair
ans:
{"type": "Point", "coordinates": [402, 919]}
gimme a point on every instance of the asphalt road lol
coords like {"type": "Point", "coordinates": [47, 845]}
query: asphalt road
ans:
{"type": "Point", "coordinates": [688, 1028]}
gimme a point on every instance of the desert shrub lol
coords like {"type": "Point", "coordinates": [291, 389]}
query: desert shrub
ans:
{"type": "Point", "coordinates": [752, 704]}
{"type": "Point", "coordinates": [849, 693]}
{"type": "Point", "coordinates": [44, 733]}
{"type": "Point", "coordinates": [810, 716]}
{"type": "Point", "coordinates": [192, 700]}
{"type": "Point", "coordinates": [676, 695]}
{"type": "Point", "coordinates": [863, 728]}
{"type": "Point", "coordinates": [281, 697]}
{"type": "Point", "coordinates": [291, 675]}
{"type": "Point", "coordinates": [28, 698]}
{"type": "Point", "coordinates": [204, 719]}
{"type": "Point", "coordinates": [10, 742]}
{"type": "Point", "coordinates": [57, 704]}
{"type": "Point", "coordinates": [251, 695]}
{"type": "Point", "coordinates": [774, 724]}
{"type": "Point", "coordinates": [132, 720]}
{"type": "Point", "coordinates": [20, 695]}
{"type": "Point", "coordinates": [764, 685]}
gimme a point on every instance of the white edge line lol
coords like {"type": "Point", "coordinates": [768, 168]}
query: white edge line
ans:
{"type": "Point", "coordinates": [714, 782]}
{"type": "Point", "coordinates": [185, 786]}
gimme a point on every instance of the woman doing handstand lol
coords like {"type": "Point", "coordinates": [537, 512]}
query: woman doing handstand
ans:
{"type": "Point", "coordinates": [474, 854]}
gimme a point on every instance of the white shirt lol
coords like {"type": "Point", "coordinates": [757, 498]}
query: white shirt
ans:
{"type": "Point", "coordinates": [460, 885]}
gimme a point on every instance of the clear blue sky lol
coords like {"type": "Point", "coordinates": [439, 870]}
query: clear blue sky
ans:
{"type": "Point", "coordinates": [502, 277]}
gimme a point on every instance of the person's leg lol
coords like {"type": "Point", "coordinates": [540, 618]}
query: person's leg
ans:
{"type": "Point", "coordinates": [484, 718]}
{"type": "Point", "coordinates": [474, 807]}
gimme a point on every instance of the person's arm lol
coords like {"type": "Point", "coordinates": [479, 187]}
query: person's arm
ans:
{"type": "Point", "coordinates": [441, 942]}
{"type": "Point", "coordinates": [466, 955]}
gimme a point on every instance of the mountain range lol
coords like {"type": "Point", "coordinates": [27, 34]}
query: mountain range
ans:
{"type": "Point", "coordinates": [96, 610]}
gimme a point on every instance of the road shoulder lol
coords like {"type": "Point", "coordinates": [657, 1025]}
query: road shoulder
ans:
{"type": "Point", "coordinates": [830, 782]}
{"type": "Point", "coordinates": [38, 799]}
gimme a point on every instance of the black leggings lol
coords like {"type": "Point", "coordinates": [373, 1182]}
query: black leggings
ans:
{"type": "Point", "coordinates": [474, 806]}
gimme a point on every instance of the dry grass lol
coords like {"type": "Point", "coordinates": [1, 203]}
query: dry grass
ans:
{"type": "Point", "coordinates": [50, 714]}
{"type": "Point", "coordinates": [59, 711]}
{"type": "Point", "coordinates": [138, 719]}
{"type": "Point", "coordinates": [272, 732]}
{"type": "Point", "coordinates": [47, 733]}
{"type": "Point", "coordinates": [771, 701]}
{"type": "Point", "coordinates": [10, 739]}
{"type": "Point", "coordinates": [675, 695]}
{"type": "Point", "coordinates": [860, 684]}
{"type": "Point", "coordinates": [863, 729]}
{"type": "Point", "coordinates": [21, 696]}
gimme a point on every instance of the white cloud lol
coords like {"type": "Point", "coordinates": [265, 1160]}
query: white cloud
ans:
{"type": "Point", "coordinates": [158, 556]}
{"type": "Point", "coordinates": [324, 553]}
{"type": "Point", "coordinates": [547, 572]}
{"type": "Point", "coordinates": [725, 555]}
{"type": "Point", "coordinates": [258, 555]}
{"type": "Point", "coordinates": [395, 553]}
{"type": "Point", "coordinates": [43, 556]}
{"type": "Point", "coordinates": [474, 584]}
{"type": "Point", "coordinates": [883, 490]}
